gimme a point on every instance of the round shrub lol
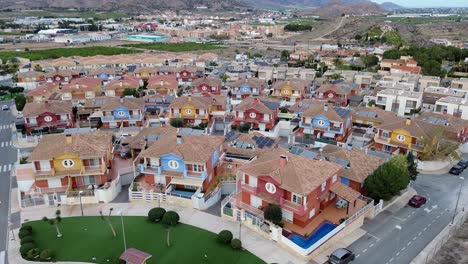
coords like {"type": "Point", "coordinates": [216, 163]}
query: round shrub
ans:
{"type": "Point", "coordinates": [46, 254]}
{"type": "Point", "coordinates": [24, 249]}
{"type": "Point", "coordinates": [26, 227]}
{"type": "Point", "coordinates": [24, 233]}
{"type": "Point", "coordinates": [224, 237]}
{"type": "Point", "coordinates": [236, 244]}
{"type": "Point", "coordinates": [27, 239]}
{"type": "Point", "coordinates": [33, 254]}
{"type": "Point", "coordinates": [156, 214]}
{"type": "Point", "coordinates": [171, 218]}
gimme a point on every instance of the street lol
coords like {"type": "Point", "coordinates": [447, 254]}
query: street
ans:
{"type": "Point", "coordinates": [8, 155]}
{"type": "Point", "coordinates": [398, 235]}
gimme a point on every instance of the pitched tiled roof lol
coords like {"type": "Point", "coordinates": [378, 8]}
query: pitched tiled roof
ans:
{"type": "Point", "coordinates": [211, 81]}
{"type": "Point", "coordinates": [163, 81]}
{"type": "Point", "coordinates": [259, 105]}
{"type": "Point", "coordinates": [139, 141]}
{"type": "Point", "coordinates": [129, 103]}
{"type": "Point", "coordinates": [252, 82]}
{"type": "Point", "coordinates": [64, 73]}
{"type": "Point", "coordinates": [300, 175]}
{"type": "Point", "coordinates": [195, 101]}
{"type": "Point", "coordinates": [194, 148]}
{"type": "Point", "coordinates": [246, 138]}
{"type": "Point", "coordinates": [82, 84]}
{"type": "Point", "coordinates": [375, 114]}
{"type": "Point", "coordinates": [56, 107]}
{"type": "Point", "coordinates": [417, 128]}
{"type": "Point", "coordinates": [337, 87]}
{"type": "Point", "coordinates": [361, 165]}
{"type": "Point", "coordinates": [333, 113]}
{"type": "Point", "coordinates": [123, 82]}
{"type": "Point", "coordinates": [453, 123]}
{"type": "Point", "coordinates": [94, 144]}
{"type": "Point", "coordinates": [43, 89]}
{"type": "Point", "coordinates": [295, 84]}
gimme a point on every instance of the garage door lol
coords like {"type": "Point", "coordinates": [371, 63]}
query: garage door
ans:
{"type": "Point", "coordinates": [288, 215]}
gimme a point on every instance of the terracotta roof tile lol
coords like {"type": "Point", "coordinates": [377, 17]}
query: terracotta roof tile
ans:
{"type": "Point", "coordinates": [55, 107]}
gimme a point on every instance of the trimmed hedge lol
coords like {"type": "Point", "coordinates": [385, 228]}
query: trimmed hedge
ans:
{"type": "Point", "coordinates": [46, 254]}
{"type": "Point", "coordinates": [24, 249]}
{"type": "Point", "coordinates": [225, 237]}
{"type": "Point", "coordinates": [156, 214]}
{"type": "Point", "coordinates": [27, 239]}
{"type": "Point", "coordinates": [236, 244]}
{"type": "Point", "coordinates": [33, 254]}
{"type": "Point", "coordinates": [24, 233]}
{"type": "Point", "coordinates": [26, 227]}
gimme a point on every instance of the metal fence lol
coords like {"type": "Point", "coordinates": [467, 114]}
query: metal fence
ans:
{"type": "Point", "coordinates": [32, 201]}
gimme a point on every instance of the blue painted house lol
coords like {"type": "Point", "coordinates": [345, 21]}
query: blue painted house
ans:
{"type": "Point", "coordinates": [122, 112]}
{"type": "Point", "coordinates": [247, 87]}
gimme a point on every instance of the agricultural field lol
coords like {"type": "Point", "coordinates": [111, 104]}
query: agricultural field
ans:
{"type": "Point", "coordinates": [175, 47]}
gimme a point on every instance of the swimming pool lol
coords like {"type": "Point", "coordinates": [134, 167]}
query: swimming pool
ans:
{"type": "Point", "coordinates": [321, 231]}
{"type": "Point", "coordinates": [185, 194]}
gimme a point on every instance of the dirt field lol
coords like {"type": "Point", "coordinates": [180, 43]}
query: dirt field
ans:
{"type": "Point", "coordinates": [455, 251]}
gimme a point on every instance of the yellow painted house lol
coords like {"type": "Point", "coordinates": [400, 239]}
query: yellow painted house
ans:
{"type": "Point", "coordinates": [66, 164]}
{"type": "Point", "coordinates": [193, 110]}
{"type": "Point", "coordinates": [290, 90]}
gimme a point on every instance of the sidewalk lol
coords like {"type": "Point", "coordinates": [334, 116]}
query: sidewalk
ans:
{"type": "Point", "coordinates": [267, 250]}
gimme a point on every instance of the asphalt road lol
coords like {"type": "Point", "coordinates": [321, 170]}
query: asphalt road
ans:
{"type": "Point", "coordinates": [8, 155]}
{"type": "Point", "coordinates": [385, 243]}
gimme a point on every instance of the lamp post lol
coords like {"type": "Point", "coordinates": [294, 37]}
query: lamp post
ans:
{"type": "Point", "coordinates": [398, 239]}
{"type": "Point", "coordinates": [458, 199]}
{"type": "Point", "coordinates": [81, 204]}
{"type": "Point", "coordinates": [123, 234]}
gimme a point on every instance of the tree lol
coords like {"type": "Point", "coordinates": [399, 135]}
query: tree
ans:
{"type": "Point", "coordinates": [389, 179]}
{"type": "Point", "coordinates": [285, 55]}
{"type": "Point", "coordinates": [169, 221]}
{"type": "Point", "coordinates": [156, 214]}
{"type": "Point", "coordinates": [335, 76]}
{"type": "Point", "coordinates": [244, 127]}
{"type": "Point", "coordinates": [225, 78]}
{"type": "Point", "coordinates": [224, 237]}
{"type": "Point", "coordinates": [371, 103]}
{"type": "Point", "coordinates": [439, 146]}
{"type": "Point", "coordinates": [108, 221]}
{"type": "Point", "coordinates": [20, 101]}
{"type": "Point", "coordinates": [236, 244]}
{"type": "Point", "coordinates": [337, 61]}
{"type": "Point", "coordinates": [75, 113]}
{"type": "Point", "coordinates": [131, 92]}
{"type": "Point", "coordinates": [177, 122]}
{"type": "Point", "coordinates": [412, 166]}
{"type": "Point", "coordinates": [358, 37]}
{"type": "Point", "coordinates": [370, 60]}
{"type": "Point", "coordinates": [55, 222]}
{"type": "Point", "coordinates": [273, 213]}
{"type": "Point", "coordinates": [37, 68]}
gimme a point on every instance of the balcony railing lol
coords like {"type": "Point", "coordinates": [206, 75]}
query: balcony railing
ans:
{"type": "Point", "coordinates": [417, 147]}
{"type": "Point", "coordinates": [44, 173]}
{"type": "Point", "coordinates": [93, 169]}
{"type": "Point", "coordinates": [297, 208]}
{"type": "Point", "coordinates": [381, 102]}
{"type": "Point", "coordinates": [382, 139]}
{"type": "Point", "coordinates": [248, 188]}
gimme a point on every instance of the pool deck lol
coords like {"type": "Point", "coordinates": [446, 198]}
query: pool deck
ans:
{"type": "Point", "coordinates": [330, 214]}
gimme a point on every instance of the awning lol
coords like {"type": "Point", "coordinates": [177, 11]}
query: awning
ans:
{"type": "Point", "coordinates": [329, 134]}
{"type": "Point", "coordinates": [345, 192]}
{"type": "Point", "coordinates": [191, 182]}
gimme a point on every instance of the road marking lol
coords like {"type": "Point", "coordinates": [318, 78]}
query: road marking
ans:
{"type": "Point", "coordinates": [4, 168]}
{"type": "Point", "coordinates": [401, 219]}
{"type": "Point", "coordinates": [433, 221]}
{"type": "Point", "coordinates": [437, 217]}
{"type": "Point", "coordinates": [425, 229]}
{"type": "Point", "coordinates": [9, 167]}
{"type": "Point", "coordinates": [409, 243]}
{"type": "Point", "coordinates": [358, 255]}
{"type": "Point", "coordinates": [378, 239]}
{"type": "Point", "coordinates": [428, 225]}
{"type": "Point", "coordinates": [403, 248]}
{"type": "Point", "coordinates": [390, 260]}
{"type": "Point", "coordinates": [2, 257]}
{"type": "Point", "coordinates": [414, 238]}
{"type": "Point", "coordinates": [1, 146]}
{"type": "Point", "coordinates": [371, 245]}
{"type": "Point", "coordinates": [398, 253]}
{"type": "Point", "coordinates": [364, 251]}
{"type": "Point", "coordinates": [419, 233]}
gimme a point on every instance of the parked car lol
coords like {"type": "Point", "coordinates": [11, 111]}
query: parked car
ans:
{"type": "Point", "coordinates": [463, 163]}
{"type": "Point", "coordinates": [456, 170]}
{"type": "Point", "coordinates": [5, 107]}
{"type": "Point", "coordinates": [341, 256]}
{"type": "Point", "coordinates": [417, 201]}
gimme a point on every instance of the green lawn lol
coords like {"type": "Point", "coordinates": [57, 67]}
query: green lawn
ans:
{"type": "Point", "coordinates": [175, 47]}
{"type": "Point", "coordinates": [65, 52]}
{"type": "Point", "coordinates": [87, 237]}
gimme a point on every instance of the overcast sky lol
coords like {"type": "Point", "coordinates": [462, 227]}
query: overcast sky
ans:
{"type": "Point", "coordinates": [427, 3]}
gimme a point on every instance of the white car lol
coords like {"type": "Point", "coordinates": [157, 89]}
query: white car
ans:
{"type": "Point", "coordinates": [5, 107]}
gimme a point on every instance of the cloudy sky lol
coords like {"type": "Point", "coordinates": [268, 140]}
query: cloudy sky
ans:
{"type": "Point", "coordinates": [427, 3]}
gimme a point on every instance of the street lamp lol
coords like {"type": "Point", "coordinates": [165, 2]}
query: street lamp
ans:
{"type": "Point", "coordinates": [458, 199]}
{"type": "Point", "coordinates": [240, 227]}
{"type": "Point", "coordinates": [123, 234]}
{"type": "Point", "coordinates": [81, 204]}
{"type": "Point", "coordinates": [398, 239]}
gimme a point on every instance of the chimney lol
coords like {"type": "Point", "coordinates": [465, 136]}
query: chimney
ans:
{"type": "Point", "coordinates": [283, 161]}
{"type": "Point", "coordinates": [408, 122]}
{"type": "Point", "coordinates": [161, 83]}
{"type": "Point", "coordinates": [120, 83]}
{"type": "Point", "coordinates": [179, 139]}
{"type": "Point", "coordinates": [77, 86]}
{"type": "Point", "coordinates": [68, 138]}
{"type": "Point", "coordinates": [190, 98]}
{"type": "Point", "coordinates": [325, 107]}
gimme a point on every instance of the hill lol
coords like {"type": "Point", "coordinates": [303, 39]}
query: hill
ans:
{"type": "Point", "coordinates": [338, 8]}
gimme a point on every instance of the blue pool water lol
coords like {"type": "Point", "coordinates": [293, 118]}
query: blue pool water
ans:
{"type": "Point", "coordinates": [184, 194]}
{"type": "Point", "coordinates": [321, 231]}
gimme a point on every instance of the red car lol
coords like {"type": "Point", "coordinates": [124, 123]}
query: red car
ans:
{"type": "Point", "coordinates": [417, 201]}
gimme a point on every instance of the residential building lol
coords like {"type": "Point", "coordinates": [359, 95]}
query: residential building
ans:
{"type": "Point", "coordinates": [455, 127]}
{"type": "Point", "coordinates": [399, 101]}
{"type": "Point", "coordinates": [336, 92]}
{"type": "Point", "coordinates": [162, 84]}
{"type": "Point", "coordinates": [364, 80]}
{"type": "Point", "coordinates": [42, 92]}
{"type": "Point", "coordinates": [247, 87]}
{"type": "Point", "coordinates": [206, 85]}
{"type": "Point", "coordinates": [30, 77]}
{"type": "Point", "coordinates": [66, 166]}
{"type": "Point", "coordinates": [182, 165]}
{"type": "Point", "coordinates": [398, 85]}
{"type": "Point", "coordinates": [259, 113]}
{"type": "Point", "coordinates": [61, 76]}
{"type": "Point", "coordinates": [192, 109]}
{"type": "Point", "coordinates": [47, 116]}
{"type": "Point", "coordinates": [187, 74]}
{"type": "Point", "coordinates": [116, 87]}
{"type": "Point", "coordinates": [461, 83]}
{"type": "Point", "coordinates": [432, 94]}
{"type": "Point", "coordinates": [428, 81]}
{"type": "Point", "coordinates": [122, 112]}
{"type": "Point", "coordinates": [290, 90]}
{"type": "Point", "coordinates": [105, 73]}
{"type": "Point", "coordinates": [372, 116]}
{"type": "Point", "coordinates": [299, 107]}
{"type": "Point", "coordinates": [145, 72]}
{"type": "Point", "coordinates": [324, 122]}
{"type": "Point", "coordinates": [78, 90]}
{"type": "Point", "coordinates": [145, 138]}
{"type": "Point", "coordinates": [405, 64]}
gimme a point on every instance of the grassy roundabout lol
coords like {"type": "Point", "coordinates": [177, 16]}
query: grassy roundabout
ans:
{"type": "Point", "coordinates": [89, 239]}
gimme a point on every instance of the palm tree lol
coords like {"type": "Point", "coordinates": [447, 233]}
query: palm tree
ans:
{"type": "Point", "coordinates": [107, 220]}
{"type": "Point", "coordinates": [55, 222]}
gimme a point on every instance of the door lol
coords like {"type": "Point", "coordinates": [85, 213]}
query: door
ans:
{"type": "Point", "coordinates": [261, 127]}
{"type": "Point", "coordinates": [255, 201]}
{"type": "Point", "coordinates": [288, 215]}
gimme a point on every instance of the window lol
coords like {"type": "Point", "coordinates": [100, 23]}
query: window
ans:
{"type": "Point", "coordinates": [271, 188]}
{"type": "Point", "coordinates": [204, 88]}
{"type": "Point", "coordinates": [68, 163]}
{"type": "Point", "coordinates": [94, 162]}
{"type": "Point", "coordinates": [335, 177]}
{"type": "Point", "coordinates": [63, 117]}
{"type": "Point", "coordinates": [296, 198]}
{"type": "Point", "coordinates": [312, 213]}
{"type": "Point", "coordinates": [48, 118]}
{"type": "Point", "coordinates": [330, 95]}
{"type": "Point", "coordinates": [324, 184]}
{"type": "Point", "coordinates": [385, 134]}
{"type": "Point", "coordinates": [88, 180]}
{"type": "Point", "coordinates": [173, 164]}
{"type": "Point", "coordinates": [286, 91]}
{"type": "Point", "coordinates": [401, 137]}
{"type": "Point", "coordinates": [320, 122]}
{"type": "Point", "coordinates": [197, 167]}
{"type": "Point", "coordinates": [121, 113]}
{"type": "Point", "coordinates": [252, 115]}
{"type": "Point", "coordinates": [188, 111]}
{"type": "Point", "coordinates": [387, 148]}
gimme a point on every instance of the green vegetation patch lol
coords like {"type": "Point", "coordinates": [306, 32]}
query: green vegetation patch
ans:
{"type": "Point", "coordinates": [85, 238]}
{"type": "Point", "coordinates": [65, 52]}
{"type": "Point", "coordinates": [176, 47]}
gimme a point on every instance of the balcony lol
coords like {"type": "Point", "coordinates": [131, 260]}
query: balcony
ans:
{"type": "Point", "coordinates": [195, 175]}
{"type": "Point", "coordinates": [296, 208]}
{"type": "Point", "coordinates": [305, 125]}
{"type": "Point", "coordinates": [338, 130]}
{"type": "Point", "coordinates": [150, 169]}
{"type": "Point", "coordinates": [246, 187]}
{"type": "Point", "coordinates": [417, 147]}
{"type": "Point", "coordinates": [42, 174]}
{"type": "Point", "coordinates": [381, 102]}
{"type": "Point", "coordinates": [99, 169]}
{"type": "Point", "coordinates": [68, 172]}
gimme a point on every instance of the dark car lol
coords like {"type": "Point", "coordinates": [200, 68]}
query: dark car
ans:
{"type": "Point", "coordinates": [456, 170]}
{"type": "Point", "coordinates": [341, 256]}
{"type": "Point", "coordinates": [417, 201]}
{"type": "Point", "coordinates": [463, 163]}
